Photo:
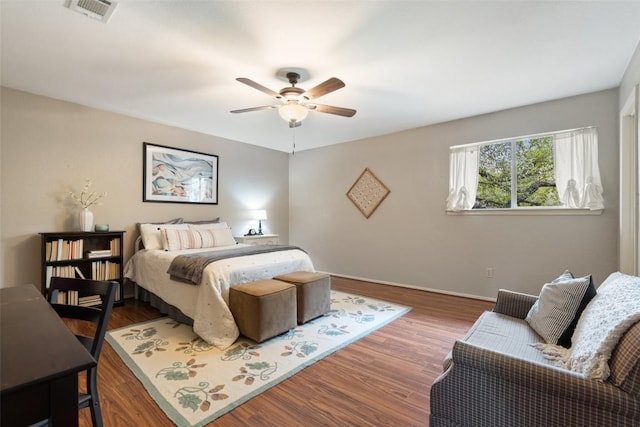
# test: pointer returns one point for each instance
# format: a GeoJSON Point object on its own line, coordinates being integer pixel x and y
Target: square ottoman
{"type": "Point", "coordinates": [263, 309]}
{"type": "Point", "coordinates": [313, 293]}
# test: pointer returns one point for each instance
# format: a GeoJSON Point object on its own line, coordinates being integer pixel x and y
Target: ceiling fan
{"type": "Point", "coordinates": [296, 102]}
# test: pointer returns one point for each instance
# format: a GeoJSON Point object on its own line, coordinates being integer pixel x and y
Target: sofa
{"type": "Point", "coordinates": [496, 376]}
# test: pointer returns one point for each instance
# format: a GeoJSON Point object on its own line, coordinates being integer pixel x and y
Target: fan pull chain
{"type": "Point", "coordinates": [293, 138]}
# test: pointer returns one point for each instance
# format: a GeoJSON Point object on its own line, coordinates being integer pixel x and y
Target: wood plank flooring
{"type": "Point", "coordinates": [381, 380]}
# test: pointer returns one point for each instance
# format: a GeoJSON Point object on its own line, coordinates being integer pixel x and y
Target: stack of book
{"type": "Point", "coordinates": [99, 253]}
{"type": "Point", "coordinates": [72, 298]}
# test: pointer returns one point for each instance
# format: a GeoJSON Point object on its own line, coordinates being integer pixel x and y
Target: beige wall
{"type": "Point", "coordinates": [411, 241]}
{"type": "Point", "coordinates": [49, 147]}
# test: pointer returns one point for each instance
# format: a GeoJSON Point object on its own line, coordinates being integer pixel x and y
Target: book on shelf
{"type": "Point", "coordinates": [99, 253]}
{"type": "Point", "coordinates": [67, 297]}
{"type": "Point", "coordinates": [114, 245]}
{"type": "Point", "coordinates": [71, 298]}
{"type": "Point", "coordinates": [63, 250]}
{"type": "Point", "coordinates": [62, 271]}
{"type": "Point", "coordinates": [105, 270]}
{"type": "Point", "coordinates": [79, 273]}
{"type": "Point", "coordinates": [89, 301]}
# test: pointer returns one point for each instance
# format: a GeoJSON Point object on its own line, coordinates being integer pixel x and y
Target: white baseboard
{"type": "Point", "coordinates": [402, 285]}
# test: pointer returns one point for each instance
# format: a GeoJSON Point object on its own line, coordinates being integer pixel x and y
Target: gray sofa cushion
{"type": "Point", "coordinates": [504, 334]}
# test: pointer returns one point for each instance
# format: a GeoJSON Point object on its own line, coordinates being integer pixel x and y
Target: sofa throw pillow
{"type": "Point", "coordinates": [607, 317]}
{"type": "Point", "coordinates": [565, 338]}
{"type": "Point", "coordinates": [557, 305]}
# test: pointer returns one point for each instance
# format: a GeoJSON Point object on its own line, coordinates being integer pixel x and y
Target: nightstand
{"type": "Point", "coordinates": [259, 239]}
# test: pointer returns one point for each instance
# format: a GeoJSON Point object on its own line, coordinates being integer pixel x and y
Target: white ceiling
{"type": "Point", "coordinates": [406, 64]}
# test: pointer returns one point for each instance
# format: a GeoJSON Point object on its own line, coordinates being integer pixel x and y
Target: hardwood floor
{"type": "Point", "coordinates": [381, 380]}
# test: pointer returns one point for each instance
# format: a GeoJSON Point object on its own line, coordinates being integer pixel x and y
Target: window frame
{"type": "Point", "coordinates": [521, 210]}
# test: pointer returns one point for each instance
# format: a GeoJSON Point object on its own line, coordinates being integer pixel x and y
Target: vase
{"type": "Point", "coordinates": [86, 220]}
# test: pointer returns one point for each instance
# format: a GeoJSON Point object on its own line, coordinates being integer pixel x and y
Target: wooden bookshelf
{"type": "Point", "coordinates": [90, 255]}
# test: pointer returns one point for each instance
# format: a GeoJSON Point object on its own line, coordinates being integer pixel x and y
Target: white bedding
{"type": "Point", "coordinates": [207, 303]}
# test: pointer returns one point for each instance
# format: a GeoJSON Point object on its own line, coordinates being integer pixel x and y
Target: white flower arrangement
{"type": "Point", "coordinates": [87, 198]}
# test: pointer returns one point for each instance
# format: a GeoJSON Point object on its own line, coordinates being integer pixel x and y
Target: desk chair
{"type": "Point", "coordinates": [98, 315]}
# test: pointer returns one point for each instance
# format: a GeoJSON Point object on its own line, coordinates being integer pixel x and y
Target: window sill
{"type": "Point", "coordinates": [527, 211]}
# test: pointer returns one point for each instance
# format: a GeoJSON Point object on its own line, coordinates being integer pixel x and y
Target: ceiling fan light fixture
{"type": "Point", "coordinates": [292, 111]}
{"type": "Point", "coordinates": [295, 100]}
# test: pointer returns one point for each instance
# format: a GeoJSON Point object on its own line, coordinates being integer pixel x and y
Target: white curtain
{"type": "Point", "coordinates": [576, 169]}
{"type": "Point", "coordinates": [463, 177]}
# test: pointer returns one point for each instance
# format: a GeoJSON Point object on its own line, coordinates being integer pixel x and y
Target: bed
{"type": "Point", "coordinates": [205, 303]}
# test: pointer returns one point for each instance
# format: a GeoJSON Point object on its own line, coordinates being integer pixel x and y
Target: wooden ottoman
{"type": "Point", "coordinates": [313, 293]}
{"type": "Point", "coordinates": [263, 309]}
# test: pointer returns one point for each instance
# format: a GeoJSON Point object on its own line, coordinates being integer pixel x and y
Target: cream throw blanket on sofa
{"type": "Point", "coordinates": [608, 316]}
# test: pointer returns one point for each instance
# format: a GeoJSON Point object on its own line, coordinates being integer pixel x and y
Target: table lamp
{"type": "Point", "coordinates": [260, 214]}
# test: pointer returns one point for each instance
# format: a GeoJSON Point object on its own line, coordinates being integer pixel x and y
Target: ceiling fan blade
{"type": "Point", "coordinates": [330, 109]}
{"type": "Point", "coordinates": [258, 86]}
{"type": "Point", "coordinates": [324, 88]}
{"type": "Point", "coordinates": [246, 110]}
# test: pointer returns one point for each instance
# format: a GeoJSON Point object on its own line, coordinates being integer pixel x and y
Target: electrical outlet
{"type": "Point", "coordinates": [489, 272]}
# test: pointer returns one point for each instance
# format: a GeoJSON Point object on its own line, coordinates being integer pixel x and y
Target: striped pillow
{"type": "Point", "coordinates": [195, 239]}
{"type": "Point", "coordinates": [557, 305]}
{"type": "Point", "coordinates": [175, 239]}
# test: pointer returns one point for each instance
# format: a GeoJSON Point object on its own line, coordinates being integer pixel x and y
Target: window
{"type": "Point", "coordinates": [557, 169]}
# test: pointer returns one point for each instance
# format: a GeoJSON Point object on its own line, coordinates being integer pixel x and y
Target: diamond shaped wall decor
{"type": "Point", "coordinates": [367, 192]}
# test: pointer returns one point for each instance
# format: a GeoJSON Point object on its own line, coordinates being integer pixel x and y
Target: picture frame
{"type": "Point", "coordinates": [176, 175]}
{"type": "Point", "coordinates": [367, 192]}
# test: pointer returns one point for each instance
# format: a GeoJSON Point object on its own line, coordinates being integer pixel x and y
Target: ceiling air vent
{"type": "Point", "coordinates": [100, 10]}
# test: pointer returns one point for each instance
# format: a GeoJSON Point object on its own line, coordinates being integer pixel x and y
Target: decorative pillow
{"type": "Point", "coordinates": [565, 338]}
{"type": "Point", "coordinates": [223, 237]}
{"type": "Point", "coordinates": [557, 305]}
{"type": "Point", "coordinates": [207, 237]}
{"type": "Point", "coordinates": [151, 236]}
{"type": "Point", "coordinates": [606, 319]}
{"type": "Point", "coordinates": [140, 224]}
{"type": "Point", "coordinates": [176, 239]}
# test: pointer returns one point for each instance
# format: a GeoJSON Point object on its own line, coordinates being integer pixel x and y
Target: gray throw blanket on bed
{"type": "Point", "coordinates": [188, 268]}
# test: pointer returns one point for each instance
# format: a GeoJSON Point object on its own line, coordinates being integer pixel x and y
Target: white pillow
{"type": "Point", "coordinates": [557, 305]}
{"type": "Point", "coordinates": [151, 236]}
{"type": "Point", "coordinates": [608, 316]}
{"type": "Point", "coordinates": [223, 237]}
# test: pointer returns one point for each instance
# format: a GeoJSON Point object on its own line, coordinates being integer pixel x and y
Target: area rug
{"type": "Point", "coordinates": [194, 383]}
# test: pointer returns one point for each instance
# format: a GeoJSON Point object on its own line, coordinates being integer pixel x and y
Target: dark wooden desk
{"type": "Point", "coordinates": [39, 361]}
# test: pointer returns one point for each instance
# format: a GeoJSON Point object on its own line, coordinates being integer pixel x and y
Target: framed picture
{"type": "Point", "coordinates": [367, 192]}
{"type": "Point", "coordinates": [175, 175]}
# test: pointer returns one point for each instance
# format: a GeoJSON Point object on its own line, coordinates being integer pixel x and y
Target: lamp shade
{"type": "Point", "coordinates": [293, 111]}
{"type": "Point", "coordinates": [260, 214]}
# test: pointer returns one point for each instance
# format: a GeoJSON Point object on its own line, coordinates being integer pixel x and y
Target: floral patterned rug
{"type": "Point", "coordinates": [195, 383]}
